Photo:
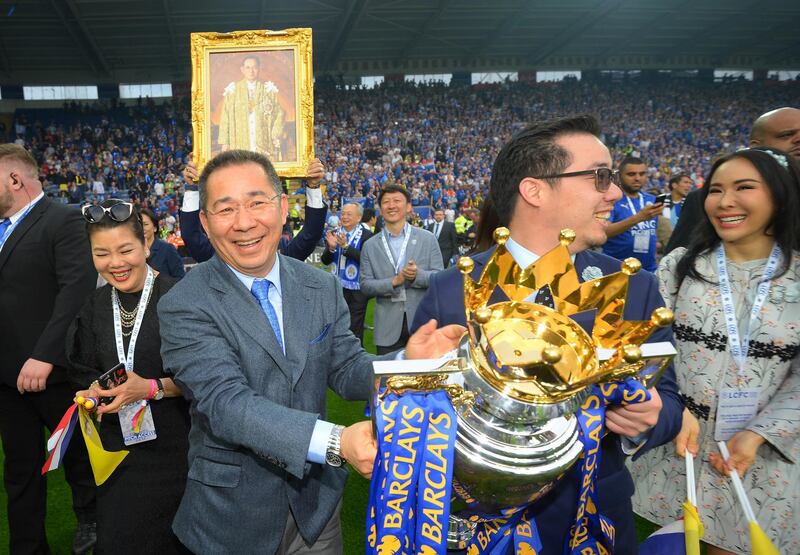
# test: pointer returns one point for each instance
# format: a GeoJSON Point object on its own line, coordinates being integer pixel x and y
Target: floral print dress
{"type": "Point", "coordinates": [704, 366]}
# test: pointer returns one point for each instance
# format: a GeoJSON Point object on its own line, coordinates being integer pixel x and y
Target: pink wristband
{"type": "Point", "coordinates": [153, 388]}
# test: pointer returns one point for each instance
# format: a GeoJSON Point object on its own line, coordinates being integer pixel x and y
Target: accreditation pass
{"type": "Point", "coordinates": [736, 408]}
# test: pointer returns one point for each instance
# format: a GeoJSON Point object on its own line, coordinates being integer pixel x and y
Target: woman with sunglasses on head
{"type": "Point", "coordinates": [146, 414]}
{"type": "Point", "coordinates": [736, 296]}
{"type": "Point", "coordinates": [163, 257]}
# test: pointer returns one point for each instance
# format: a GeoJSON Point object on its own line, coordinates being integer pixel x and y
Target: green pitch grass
{"type": "Point", "coordinates": [61, 520]}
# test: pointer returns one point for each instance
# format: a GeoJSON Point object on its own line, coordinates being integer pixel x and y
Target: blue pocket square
{"type": "Point", "coordinates": [322, 335]}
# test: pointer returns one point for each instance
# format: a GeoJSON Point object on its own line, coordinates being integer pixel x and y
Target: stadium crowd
{"type": "Point", "coordinates": [437, 141]}
{"type": "Point", "coordinates": [477, 156]}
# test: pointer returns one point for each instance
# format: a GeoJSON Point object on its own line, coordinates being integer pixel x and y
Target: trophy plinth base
{"type": "Point", "coordinates": [459, 533]}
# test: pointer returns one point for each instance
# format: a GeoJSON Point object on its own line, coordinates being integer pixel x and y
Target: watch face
{"type": "Point", "coordinates": [159, 395]}
{"type": "Point", "coordinates": [333, 459]}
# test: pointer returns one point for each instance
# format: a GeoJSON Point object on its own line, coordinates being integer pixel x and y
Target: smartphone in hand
{"type": "Point", "coordinates": [112, 378]}
{"type": "Point", "coordinates": [662, 199]}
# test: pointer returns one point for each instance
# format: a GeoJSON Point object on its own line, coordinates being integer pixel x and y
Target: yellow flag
{"type": "Point", "coordinates": [103, 462]}
{"type": "Point", "coordinates": [692, 528]}
{"type": "Point", "coordinates": [761, 543]}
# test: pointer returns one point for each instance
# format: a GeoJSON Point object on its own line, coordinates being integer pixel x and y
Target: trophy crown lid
{"type": "Point", "coordinates": [501, 235]}
{"type": "Point", "coordinates": [566, 237]}
{"type": "Point", "coordinates": [537, 353]}
{"type": "Point", "coordinates": [465, 265]}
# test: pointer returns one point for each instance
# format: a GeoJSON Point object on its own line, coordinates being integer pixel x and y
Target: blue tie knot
{"type": "Point", "coordinates": [260, 289]}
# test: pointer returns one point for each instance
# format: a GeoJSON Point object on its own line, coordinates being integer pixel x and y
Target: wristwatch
{"type": "Point", "coordinates": [160, 391]}
{"type": "Point", "coordinates": [333, 454]}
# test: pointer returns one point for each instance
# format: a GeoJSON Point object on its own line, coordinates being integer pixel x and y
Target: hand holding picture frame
{"type": "Point", "coordinates": [253, 90]}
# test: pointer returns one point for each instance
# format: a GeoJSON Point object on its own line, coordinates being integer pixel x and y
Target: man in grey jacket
{"type": "Point", "coordinates": [265, 468]}
{"type": "Point", "coordinates": [396, 265]}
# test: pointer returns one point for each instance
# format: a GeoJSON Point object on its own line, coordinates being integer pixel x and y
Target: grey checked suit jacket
{"type": "Point", "coordinates": [377, 272]}
{"type": "Point", "coordinates": [253, 409]}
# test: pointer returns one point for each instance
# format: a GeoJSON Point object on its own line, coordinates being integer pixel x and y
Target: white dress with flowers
{"type": "Point", "coordinates": [704, 366]}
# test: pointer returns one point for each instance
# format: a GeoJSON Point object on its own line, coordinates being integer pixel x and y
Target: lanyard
{"type": "Point", "coordinates": [740, 345]}
{"type": "Point", "coordinates": [397, 263]}
{"type": "Point", "coordinates": [148, 286]}
{"type": "Point", "coordinates": [633, 209]}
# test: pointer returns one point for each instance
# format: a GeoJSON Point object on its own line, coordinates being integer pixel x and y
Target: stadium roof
{"type": "Point", "coordinates": [141, 41]}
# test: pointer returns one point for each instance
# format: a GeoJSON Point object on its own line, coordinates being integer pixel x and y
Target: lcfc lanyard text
{"type": "Point", "coordinates": [740, 344]}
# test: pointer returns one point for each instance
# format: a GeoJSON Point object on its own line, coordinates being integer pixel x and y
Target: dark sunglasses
{"type": "Point", "coordinates": [603, 177]}
{"type": "Point", "coordinates": [119, 212]}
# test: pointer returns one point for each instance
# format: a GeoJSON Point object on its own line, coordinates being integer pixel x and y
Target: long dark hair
{"type": "Point", "coordinates": [781, 174]}
{"type": "Point", "coordinates": [488, 222]}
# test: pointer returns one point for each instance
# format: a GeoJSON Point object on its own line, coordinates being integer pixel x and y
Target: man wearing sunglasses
{"type": "Point", "coordinates": [549, 177]}
{"type": "Point", "coordinates": [46, 272]}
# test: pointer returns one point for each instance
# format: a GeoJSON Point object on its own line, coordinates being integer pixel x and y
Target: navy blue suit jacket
{"type": "Point", "coordinates": [300, 247]}
{"type": "Point", "coordinates": [555, 513]}
{"type": "Point", "coordinates": [165, 258]}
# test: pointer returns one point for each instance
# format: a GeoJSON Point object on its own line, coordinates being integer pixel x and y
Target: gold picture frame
{"type": "Point", "coordinates": [254, 90]}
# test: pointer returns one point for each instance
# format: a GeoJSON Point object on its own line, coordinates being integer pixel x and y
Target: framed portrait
{"type": "Point", "coordinates": [253, 90]}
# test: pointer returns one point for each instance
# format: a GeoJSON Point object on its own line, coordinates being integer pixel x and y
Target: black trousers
{"type": "Point", "coordinates": [401, 342]}
{"type": "Point", "coordinates": [23, 419]}
{"type": "Point", "coordinates": [357, 303]}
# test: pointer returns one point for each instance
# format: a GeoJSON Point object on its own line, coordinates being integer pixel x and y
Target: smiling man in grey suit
{"type": "Point", "coordinates": [396, 265]}
{"type": "Point", "coordinates": [255, 359]}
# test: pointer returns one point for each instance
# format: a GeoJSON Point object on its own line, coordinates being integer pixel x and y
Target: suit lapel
{"type": "Point", "coordinates": [19, 232]}
{"type": "Point", "coordinates": [580, 265]}
{"type": "Point", "coordinates": [249, 316]}
{"type": "Point", "coordinates": [584, 319]}
{"type": "Point", "coordinates": [413, 248]}
{"type": "Point", "coordinates": [297, 316]}
{"type": "Point", "coordinates": [497, 296]}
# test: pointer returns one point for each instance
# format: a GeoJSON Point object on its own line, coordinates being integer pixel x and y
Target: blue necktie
{"type": "Point", "coordinates": [260, 291]}
{"type": "Point", "coordinates": [542, 297]}
{"type": "Point", "coordinates": [4, 225]}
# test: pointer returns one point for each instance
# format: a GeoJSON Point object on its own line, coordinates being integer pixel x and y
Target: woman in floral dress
{"type": "Point", "coordinates": [751, 232]}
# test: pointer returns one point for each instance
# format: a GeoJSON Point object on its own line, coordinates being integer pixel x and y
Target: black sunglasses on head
{"type": "Point", "coordinates": [119, 212]}
{"type": "Point", "coordinates": [603, 177]}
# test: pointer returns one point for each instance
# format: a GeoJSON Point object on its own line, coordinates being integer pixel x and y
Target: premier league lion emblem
{"type": "Point", "coordinates": [389, 545]}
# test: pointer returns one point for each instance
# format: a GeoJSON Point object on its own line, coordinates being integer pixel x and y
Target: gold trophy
{"type": "Point", "coordinates": [521, 372]}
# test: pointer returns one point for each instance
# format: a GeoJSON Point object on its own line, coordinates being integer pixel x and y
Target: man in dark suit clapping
{"type": "Point", "coordinates": [445, 233]}
{"type": "Point", "coordinates": [344, 252]}
{"type": "Point", "coordinates": [46, 272]}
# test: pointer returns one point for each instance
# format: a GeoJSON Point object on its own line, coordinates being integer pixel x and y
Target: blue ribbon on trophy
{"type": "Point", "coordinates": [531, 386]}
{"type": "Point", "coordinates": [410, 489]}
{"type": "Point", "coordinates": [495, 536]}
{"type": "Point", "coordinates": [592, 533]}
